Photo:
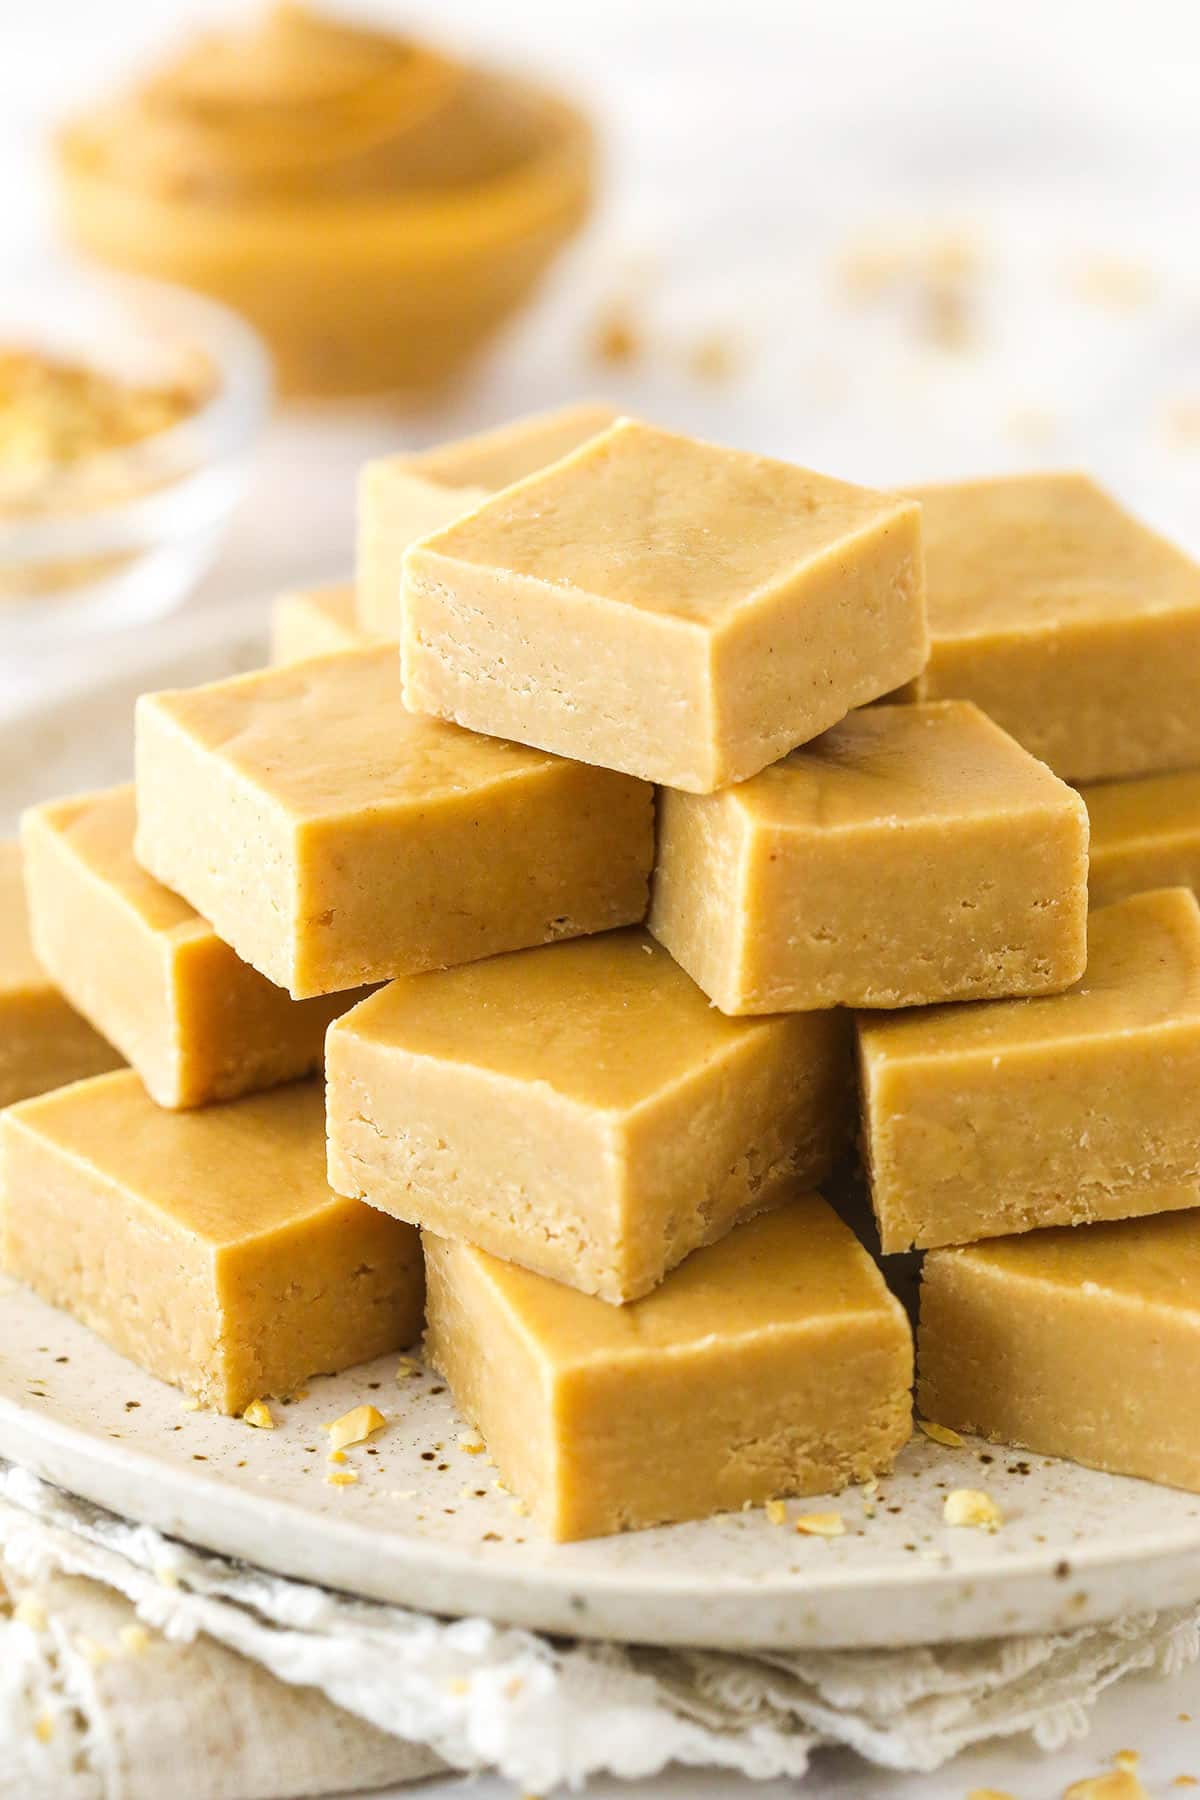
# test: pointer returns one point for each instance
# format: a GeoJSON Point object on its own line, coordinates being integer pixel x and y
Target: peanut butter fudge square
{"type": "Point", "coordinates": [994, 1118]}
{"type": "Point", "coordinates": [43, 1041]}
{"type": "Point", "coordinates": [1145, 834]}
{"type": "Point", "coordinates": [1071, 623]}
{"type": "Point", "coordinates": [334, 839]}
{"type": "Point", "coordinates": [205, 1246]}
{"type": "Point", "coordinates": [1081, 1343]}
{"type": "Point", "coordinates": [775, 1362]}
{"type": "Point", "coordinates": [655, 604]}
{"type": "Point", "coordinates": [318, 621]}
{"type": "Point", "coordinates": [402, 498]}
{"type": "Point", "coordinates": [581, 1109]}
{"type": "Point", "coordinates": [911, 854]}
{"type": "Point", "coordinates": [196, 1022]}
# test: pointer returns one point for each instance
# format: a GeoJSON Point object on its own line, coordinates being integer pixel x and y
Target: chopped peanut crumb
{"type": "Point", "coordinates": [406, 1368]}
{"type": "Point", "coordinates": [776, 1511]}
{"type": "Point", "coordinates": [134, 1639]}
{"type": "Point", "coordinates": [826, 1525]}
{"type": "Point", "coordinates": [712, 358]}
{"type": "Point", "coordinates": [969, 1506]}
{"type": "Point", "coordinates": [191, 1403]}
{"type": "Point", "coordinates": [1122, 1784]}
{"type": "Point", "coordinates": [616, 338]}
{"type": "Point", "coordinates": [43, 1728]}
{"type": "Point", "coordinates": [258, 1414]}
{"type": "Point", "coordinates": [941, 1434]}
{"type": "Point", "coordinates": [355, 1427]}
{"type": "Point", "coordinates": [337, 1456]}
{"type": "Point", "coordinates": [342, 1477]}
{"type": "Point", "coordinates": [471, 1445]}
{"type": "Point", "coordinates": [30, 1611]}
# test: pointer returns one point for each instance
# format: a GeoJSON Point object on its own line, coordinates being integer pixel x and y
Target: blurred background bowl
{"type": "Point", "coordinates": [121, 535]}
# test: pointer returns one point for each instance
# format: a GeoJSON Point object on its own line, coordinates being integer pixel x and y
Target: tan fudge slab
{"type": "Point", "coordinates": [43, 1041]}
{"type": "Point", "coordinates": [1073, 625]}
{"type": "Point", "coordinates": [402, 498]}
{"type": "Point", "coordinates": [775, 1362]}
{"type": "Point", "coordinates": [196, 1022]}
{"type": "Point", "coordinates": [334, 839]}
{"type": "Point", "coordinates": [206, 1246]}
{"type": "Point", "coordinates": [1082, 1343]}
{"type": "Point", "coordinates": [580, 1109]}
{"type": "Point", "coordinates": [909, 855]}
{"type": "Point", "coordinates": [1145, 834]}
{"type": "Point", "coordinates": [658, 605]}
{"type": "Point", "coordinates": [316, 622]}
{"type": "Point", "coordinates": [999, 1117]}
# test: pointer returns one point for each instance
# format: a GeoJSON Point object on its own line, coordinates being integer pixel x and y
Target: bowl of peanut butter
{"type": "Point", "coordinates": [375, 208]}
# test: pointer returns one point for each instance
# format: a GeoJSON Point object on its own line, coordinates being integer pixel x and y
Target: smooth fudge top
{"type": "Point", "coordinates": [494, 459]}
{"type": "Point", "coordinates": [796, 1265]}
{"type": "Point", "coordinates": [332, 735]}
{"type": "Point", "coordinates": [1029, 551]}
{"type": "Point", "coordinates": [1124, 813]}
{"type": "Point", "coordinates": [1143, 971]}
{"type": "Point", "coordinates": [1155, 1261]}
{"type": "Point", "coordinates": [223, 1173]}
{"type": "Point", "coordinates": [666, 524]}
{"type": "Point", "coordinates": [885, 765]}
{"type": "Point", "coordinates": [99, 830]}
{"type": "Point", "coordinates": [605, 1021]}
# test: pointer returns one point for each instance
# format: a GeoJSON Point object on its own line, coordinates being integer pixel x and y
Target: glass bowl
{"type": "Point", "coordinates": [118, 536]}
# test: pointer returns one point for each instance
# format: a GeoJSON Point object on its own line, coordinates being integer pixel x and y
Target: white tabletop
{"type": "Point", "coordinates": [750, 143]}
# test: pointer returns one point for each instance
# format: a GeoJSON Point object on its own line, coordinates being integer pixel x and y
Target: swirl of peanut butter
{"type": "Point", "coordinates": [297, 107]}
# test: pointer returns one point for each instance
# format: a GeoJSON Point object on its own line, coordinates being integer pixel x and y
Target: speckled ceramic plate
{"type": "Point", "coordinates": [425, 1526]}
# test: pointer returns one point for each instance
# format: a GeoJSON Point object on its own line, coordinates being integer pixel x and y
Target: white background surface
{"type": "Point", "coordinates": [748, 144]}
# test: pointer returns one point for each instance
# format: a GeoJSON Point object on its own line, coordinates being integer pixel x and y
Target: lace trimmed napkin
{"type": "Point", "coordinates": [127, 1656]}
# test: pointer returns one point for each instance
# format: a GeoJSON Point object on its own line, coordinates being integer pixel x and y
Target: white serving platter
{"type": "Point", "coordinates": [424, 1525]}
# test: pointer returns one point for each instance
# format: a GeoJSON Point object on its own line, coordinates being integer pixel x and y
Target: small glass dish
{"type": "Point", "coordinates": [106, 537]}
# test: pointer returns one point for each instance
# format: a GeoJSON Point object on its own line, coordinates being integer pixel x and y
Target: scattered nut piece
{"type": "Point", "coordinates": [1113, 282]}
{"type": "Point", "coordinates": [191, 1403]}
{"type": "Point", "coordinates": [616, 339]}
{"type": "Point", "coordinates": [826, 1525]}
{"type": "Point", "coordinates": [258, 1414]}
{"type": "Point", "coordinates": [712, 358]}
{"type": "Point", "coordinates": [472, 1445]}
{"type": "Point", "coordinates": [970, 1506]}
{"type": "Point", "coordinates": [406, 1368]}
{"type": "Point", "coordinates": [776, 1511]}
{"type": "Point", "coordinates": [342, 1477]}
{"type": "Point", "coordinates": [355, 1427]}
{"type": "Point", "coordinates": [1122, 1784]}
{"type": "Point", "coordinates": [43, 1728]}
{"type": "Point", "coordinates": [941, 1434]}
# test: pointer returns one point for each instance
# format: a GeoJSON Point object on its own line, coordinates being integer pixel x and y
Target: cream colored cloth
{"type": "Point", "coordinates": [258, 1687]}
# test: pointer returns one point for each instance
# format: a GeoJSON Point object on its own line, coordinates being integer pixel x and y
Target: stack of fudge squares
{"type": "Point", "coordinates": [647, 825]}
